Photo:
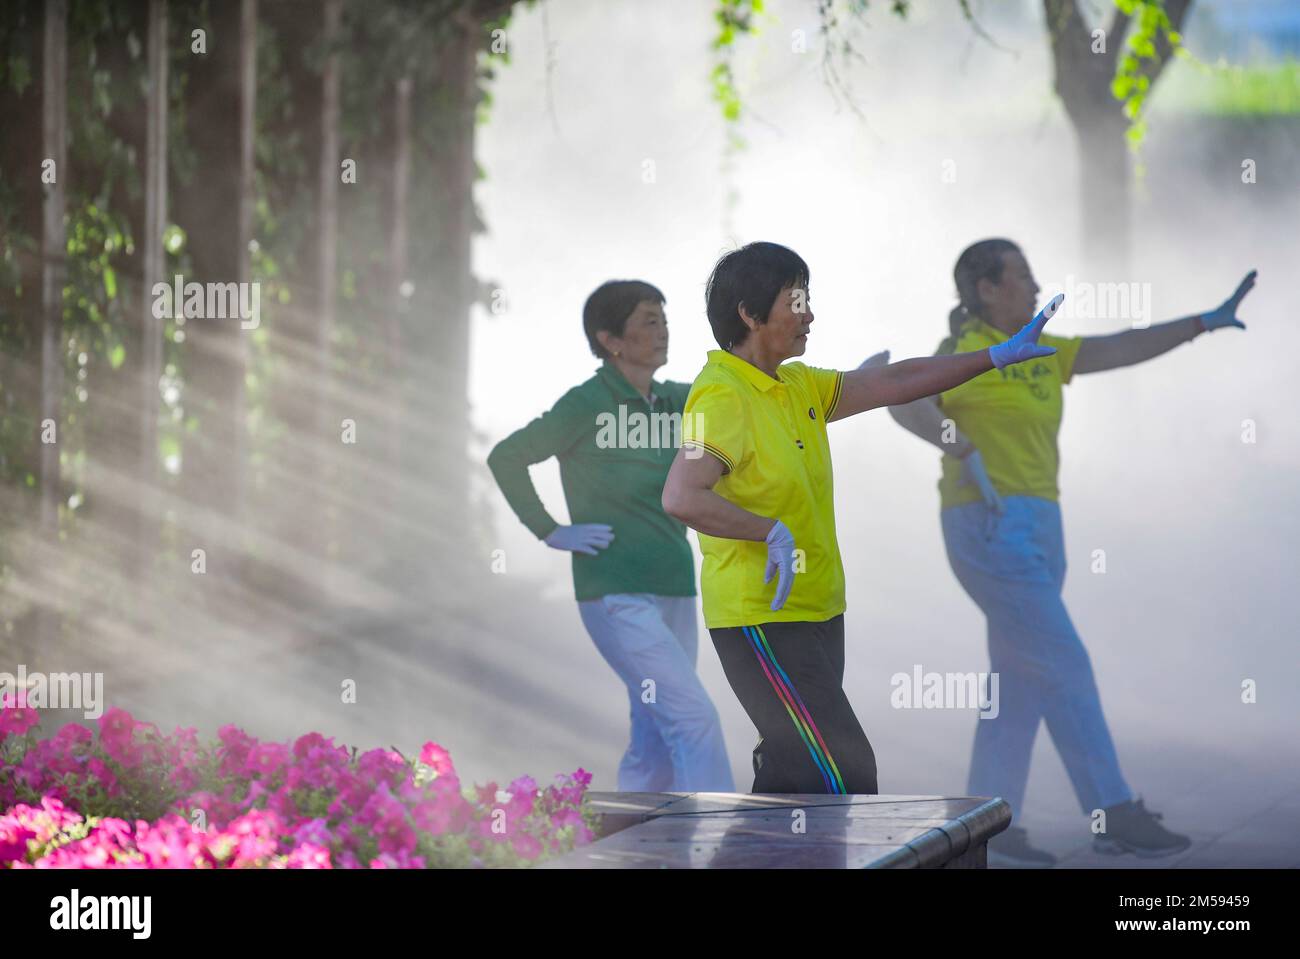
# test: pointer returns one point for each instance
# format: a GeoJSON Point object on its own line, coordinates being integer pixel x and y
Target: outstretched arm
{"type": "Point", "coordinates": [1128, 347]}
{"type": "Point", "coordinates": [869, 387]}
{"type": "Point", "coordinates": [907, 380]}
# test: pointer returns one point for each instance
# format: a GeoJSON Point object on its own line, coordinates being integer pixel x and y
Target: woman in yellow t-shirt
{"type": "Point", "coordinates": [1002, 531]}
{"type": "Point", "coordinates": [753, 477]}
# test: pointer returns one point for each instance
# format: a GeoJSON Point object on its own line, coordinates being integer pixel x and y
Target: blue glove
{"type": "Point", "coordinates": [1226, 314]}
{"type": "Point", "coordinates": [1024, 345]}
{"type": "Point", "coordinates": [780, 556]}
{"type": "Point", "coordinates": [580, 538]}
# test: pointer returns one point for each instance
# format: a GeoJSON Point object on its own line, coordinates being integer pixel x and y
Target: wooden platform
{"type": "Point", "coordinates": [746, 831]}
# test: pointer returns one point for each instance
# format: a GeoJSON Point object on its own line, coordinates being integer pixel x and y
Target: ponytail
{"type": "Point", "coordinates": [957, 319]}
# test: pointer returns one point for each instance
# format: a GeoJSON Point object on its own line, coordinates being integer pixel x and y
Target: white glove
{"type": "Point", "coordinates": [973, 472]}
{"type": "Point", "coordinates": [780, 556]}
{"type": "Point", "coordinates": [580, 538]}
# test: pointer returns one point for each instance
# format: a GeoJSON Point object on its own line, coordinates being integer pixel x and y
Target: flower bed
{"type": "Point", "coordinates": [129, 796]}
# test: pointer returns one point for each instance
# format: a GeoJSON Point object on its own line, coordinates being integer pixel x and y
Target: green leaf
{"type": "Point", "coordinates": [20, 73]}
{"type": "Point", "coordinates": [116, 356]}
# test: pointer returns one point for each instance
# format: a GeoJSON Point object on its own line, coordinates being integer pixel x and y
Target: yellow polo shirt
{"type": "Point", "coordinates": [770, 434]}
{"type": "Point", "coordinates": [1012, 416]}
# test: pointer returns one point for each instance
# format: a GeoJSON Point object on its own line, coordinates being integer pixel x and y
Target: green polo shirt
{"type": "Point", "coordinates": [614, 451]}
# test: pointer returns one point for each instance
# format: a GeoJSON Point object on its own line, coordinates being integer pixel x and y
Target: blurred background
{"type": "Point", "coordinates": [427, 192]}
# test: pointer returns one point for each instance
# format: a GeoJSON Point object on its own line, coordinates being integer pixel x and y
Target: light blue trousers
{"type": "Point", "coordinates": [1013, 567]}
{"type": "Point", "coordinates": [651, 642]}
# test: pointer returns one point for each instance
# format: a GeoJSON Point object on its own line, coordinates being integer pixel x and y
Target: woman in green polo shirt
{"type": "Point", "coordinates": [753, 477]}
{"type": "Point", "coordinates": [1002, 531]}
{"type": "Point", "coordinates": [633, 571]}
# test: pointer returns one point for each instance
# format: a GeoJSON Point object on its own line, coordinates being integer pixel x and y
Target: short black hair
{"type": "Point", "coordinates": [609, 307]}
{"type": "Point", "coordinates": [752, 276]}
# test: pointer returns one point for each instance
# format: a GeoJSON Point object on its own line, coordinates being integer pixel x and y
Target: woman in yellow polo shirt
{"type": "Point", "coordinates": [753, 478]}
{"type": "Point", "coordinates": [1002, 531]}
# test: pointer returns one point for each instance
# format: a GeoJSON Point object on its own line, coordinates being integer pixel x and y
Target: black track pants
{"type": "Point", "coordinates": [789, 677]}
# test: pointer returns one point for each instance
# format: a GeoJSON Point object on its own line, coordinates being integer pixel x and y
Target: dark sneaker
{"type": "Point", "coordinates": [758, 756]}
{"type": "Point", "coordinates": [1011, 848]}
{"type": "Point", "coordinates": [1131, 827]}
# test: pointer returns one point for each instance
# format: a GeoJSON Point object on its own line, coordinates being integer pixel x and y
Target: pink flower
{"type": "Point", "coordinates": [117, 736]}
{"type": "Point", "coordinates": [431, 817]}
{"type": "Point", "coordinates": [309, 856]}
{"type": "Point", "coordinates": [391, 861]}
{"type": "Point", "coordinates": [266, 759]}
{"type": "Point", "coordinates": [431, 754]}
{"type": "Point", "coordinates": [73, 734]}
{"type": "Point", "coordinates": [254, 833]}
{"type": "Point", "coordinates": [282, 803]}
{"type": "Point", "coordinates": [312, 832]}
{"type": "Point", "coordinates": [99, 769]}
{"type": "Point", "coordinates": [170, 844]}
{"type": "Point", "coordinates": [13, 839]}
{"type": "Point", "coordinates": [236, 745]}
{"type": "Point", "coordinates": [523, 786]}
{"type": "Point", "coordinates": [263, 801]}
{"type": "Point", "coordinates": [304, 745]}
{"type": "Point", "coordinates": [382, 765]}
{"type": "Point", "coordinates": [567, 816]}
{"type": "Point", "coordinates": [116, 725]}
{"type": "Point", "coordinates": [526, 846]}
{"type": "Point", "coordinates": [15, 715]}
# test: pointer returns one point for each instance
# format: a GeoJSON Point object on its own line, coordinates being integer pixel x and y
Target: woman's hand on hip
{"type": "Point", "coordinates": [974, 473]}
{"type": "Point", "coordinates": [580, 537]}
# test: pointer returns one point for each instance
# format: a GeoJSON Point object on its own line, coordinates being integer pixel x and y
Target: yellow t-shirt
{"type": "Point", "coordinates": [1012, 416]}
{"type": "Point", "coordinates": [770, 434]}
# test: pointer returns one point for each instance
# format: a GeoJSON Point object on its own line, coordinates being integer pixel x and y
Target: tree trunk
{"type": "Point", "coordinates": [216, 213]}
{"type": "Point", "coordinates": [1083, 75]}
{"type": "Point", "coordinates": [399, 266]}
{"type": "Point", "coordinates": [21, 159]}
{"type": "Point", "coordinates": [54, 120]}
{"type": "Point", "coordinates": [289, 500]}
{"type": "Point", "coordinates": [20, 375]}
{"type": "Point", "coordinates": [114, 499]}
{"type": "Point", "coordinates": [152, 264]}
{"type": "Point", "coordinates": [325, 434]}
{"type": "Point", "coordinates": [435, 433]}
